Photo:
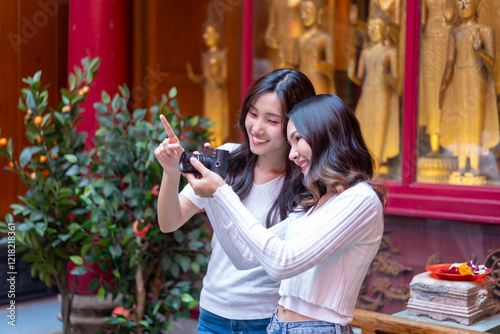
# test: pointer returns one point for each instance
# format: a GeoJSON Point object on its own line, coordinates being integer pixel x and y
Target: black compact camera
{"type": "Point", "coordinates": [211, 158]}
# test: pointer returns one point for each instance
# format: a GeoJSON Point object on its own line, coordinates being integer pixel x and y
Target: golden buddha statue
{"type": "Point", "coordinates": [467, 97]}
{"type": "Point", "coordinates": [396, 34]}
{"type": "Point", "coordinates": [378, 106]}
{"type": "Point", "coordinates": [434, 35]}
{"type": "Point", "coordinates": [213, 79]}
{"type": "Point", "coordinates": [316, 48]}
{"type": "Point", "coordinates": [283, 29]}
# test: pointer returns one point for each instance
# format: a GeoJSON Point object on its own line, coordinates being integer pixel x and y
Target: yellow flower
{"type": "Point", "coordinates": [464, 269]}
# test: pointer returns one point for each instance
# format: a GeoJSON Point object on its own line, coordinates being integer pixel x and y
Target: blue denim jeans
{"type": "Point", "coordinates": [209, 323]}
{"type": "Point", "coordinates": [303, 327]}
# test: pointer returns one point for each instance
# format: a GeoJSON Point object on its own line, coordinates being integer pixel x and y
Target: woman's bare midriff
{"type": "Point", "coordinates": [287, 315]}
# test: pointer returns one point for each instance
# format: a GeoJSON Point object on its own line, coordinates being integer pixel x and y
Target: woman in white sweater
{"type": "Point", "coordinates": [328, 245]}
{"type": "Point", "coordinates": [234, 301]}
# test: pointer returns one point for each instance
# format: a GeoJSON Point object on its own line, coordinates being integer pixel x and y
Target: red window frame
{"type": "Point", "coordinates": [407, 197]}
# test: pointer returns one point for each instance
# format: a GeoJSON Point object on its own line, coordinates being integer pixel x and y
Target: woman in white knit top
{"type": "Point", "coordinates": [234, 301]}
{"type": "Point", "coordinates": [329, 244]}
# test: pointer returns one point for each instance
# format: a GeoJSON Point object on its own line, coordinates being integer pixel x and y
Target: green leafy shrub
{"type": "Point", "coordinates": [53, 224]}
{"type": "Point", "coordinates": [157, 277]}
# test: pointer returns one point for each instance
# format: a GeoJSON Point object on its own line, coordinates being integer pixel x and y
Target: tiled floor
{"type": "Point", "coordinates": [40, 317]}
{"type": "Point", "coordinates": [33, 317]}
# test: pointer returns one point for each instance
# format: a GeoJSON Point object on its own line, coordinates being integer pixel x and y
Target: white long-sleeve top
{"type": "Point", "coordinates": [324, 256]}
{"type": "Point", "coordinates": [227, 291]}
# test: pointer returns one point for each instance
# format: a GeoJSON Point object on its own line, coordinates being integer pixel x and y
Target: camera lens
{"type": "Point", "coordinates": [184, 164]}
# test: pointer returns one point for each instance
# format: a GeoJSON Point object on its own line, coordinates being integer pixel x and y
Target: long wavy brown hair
{"type": "Point", "coordinates": [340, 157]}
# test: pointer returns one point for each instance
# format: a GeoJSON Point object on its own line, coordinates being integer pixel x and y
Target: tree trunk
{"type": "Point", "coordinates": [65, 300]}
{"type": "Point", "coordinates": [141, 296]}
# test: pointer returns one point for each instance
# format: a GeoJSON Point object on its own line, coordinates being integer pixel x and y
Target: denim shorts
{"type": "Point", "coordinates": [209, 323]}
{"type": "Point", "coordinates": [308, 326]}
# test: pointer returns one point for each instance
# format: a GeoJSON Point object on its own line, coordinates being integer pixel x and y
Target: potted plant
{"type": "Point", "coordinates": [157, 274]}
{"type": "Point", "coordinates": [53, 224]}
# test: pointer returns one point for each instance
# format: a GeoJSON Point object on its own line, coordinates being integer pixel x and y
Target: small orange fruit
{"type": "Point", "coordinates": [29, 112]}
{"type": "Point", "coordinates": [66, 109]}
{"type": "Point", "coordinates": [43, 158]}
{"type": "Point", "coordinates": [53, 156]}
{"type": "Point", "coordinates": [39, 139]}
{"type": "Point", "coordinates": [38, 120]}
{"type": "Point", "coordinates": [45, 173]}
{"type": "Point", "coordinates": [85, 89]}
{"type": "Point", "coordinates": [3, 141]}
{"type": "Point", "coordinates": [11, 164]}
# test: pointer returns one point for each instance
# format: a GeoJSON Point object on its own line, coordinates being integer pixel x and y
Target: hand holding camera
{"type": "Point", "coordinates": [201, 177]}
{"type": "Point", "coordinates": [212, 158]}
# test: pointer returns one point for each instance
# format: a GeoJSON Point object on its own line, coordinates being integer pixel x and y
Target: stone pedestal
{"type": "Point", "coordinates": [461, 301]}
{"type": "Point", "coordinates": [88, 313]}
{"type": "Point", "coordinates": [436, 169]}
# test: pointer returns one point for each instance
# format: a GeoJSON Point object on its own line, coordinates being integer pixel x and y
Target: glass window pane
{"type": "Point", "coordinates": [353, 48]}
{"type": "Point", "coordinates": [458, 120]}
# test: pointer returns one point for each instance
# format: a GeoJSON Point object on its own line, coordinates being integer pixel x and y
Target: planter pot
{"type": "Point", "coordinates": [88, 313]}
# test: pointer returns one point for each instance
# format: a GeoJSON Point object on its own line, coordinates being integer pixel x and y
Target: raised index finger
{"type": "Point", "coordinates": [168, 129]}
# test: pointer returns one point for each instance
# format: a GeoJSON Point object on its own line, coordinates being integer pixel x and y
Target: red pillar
{"type": "Point", "coordinates": [100, 28]}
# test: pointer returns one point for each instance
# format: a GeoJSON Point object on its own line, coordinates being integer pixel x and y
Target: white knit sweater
{"type": "Point", "coordinates": [325, 254]}
{"type": "Point", "coordinates": [227, 291]}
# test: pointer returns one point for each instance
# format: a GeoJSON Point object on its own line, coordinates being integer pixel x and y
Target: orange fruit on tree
{"type": "Point", "coordinates": [38, 120]}
{"type": "Point", "coordinates": [66, 109]}
{"type": "Point", "coordinates": [11, 164]}
{"type": "Point", "coordinates": [85, 89]}
{"type": "Point", "coordinates": [45, 173]}
{"type": "Point", "coordinates": [3, 141]}
{"type": "Point", "coordinates": [43, 158]}
{"type": "Point", "coordinates": [39, 139]}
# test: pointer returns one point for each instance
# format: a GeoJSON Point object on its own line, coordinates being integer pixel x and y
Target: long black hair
{"type": "Point", "coordinates": [340, 157]}
{"type": "Point", "coordinates": [291, 87]}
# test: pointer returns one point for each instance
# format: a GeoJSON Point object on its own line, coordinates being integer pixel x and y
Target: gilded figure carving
{"type": "Point", "coordinates": [378, 106]}
{"type": "Point", "coordinates": [213, 80]}
{"type": "Point", "coordinates": [316, 50]}
{"type": "Point", "coordinates": [489, 12]}
{"type": "Point", "coordinates": [283, 28]}
{"type": "Point", "coordinates": [469, 124]}
{"type": "Point", "coordinates": [396, 34]}
{"type": "Point", "coordinates": [435, 28]}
